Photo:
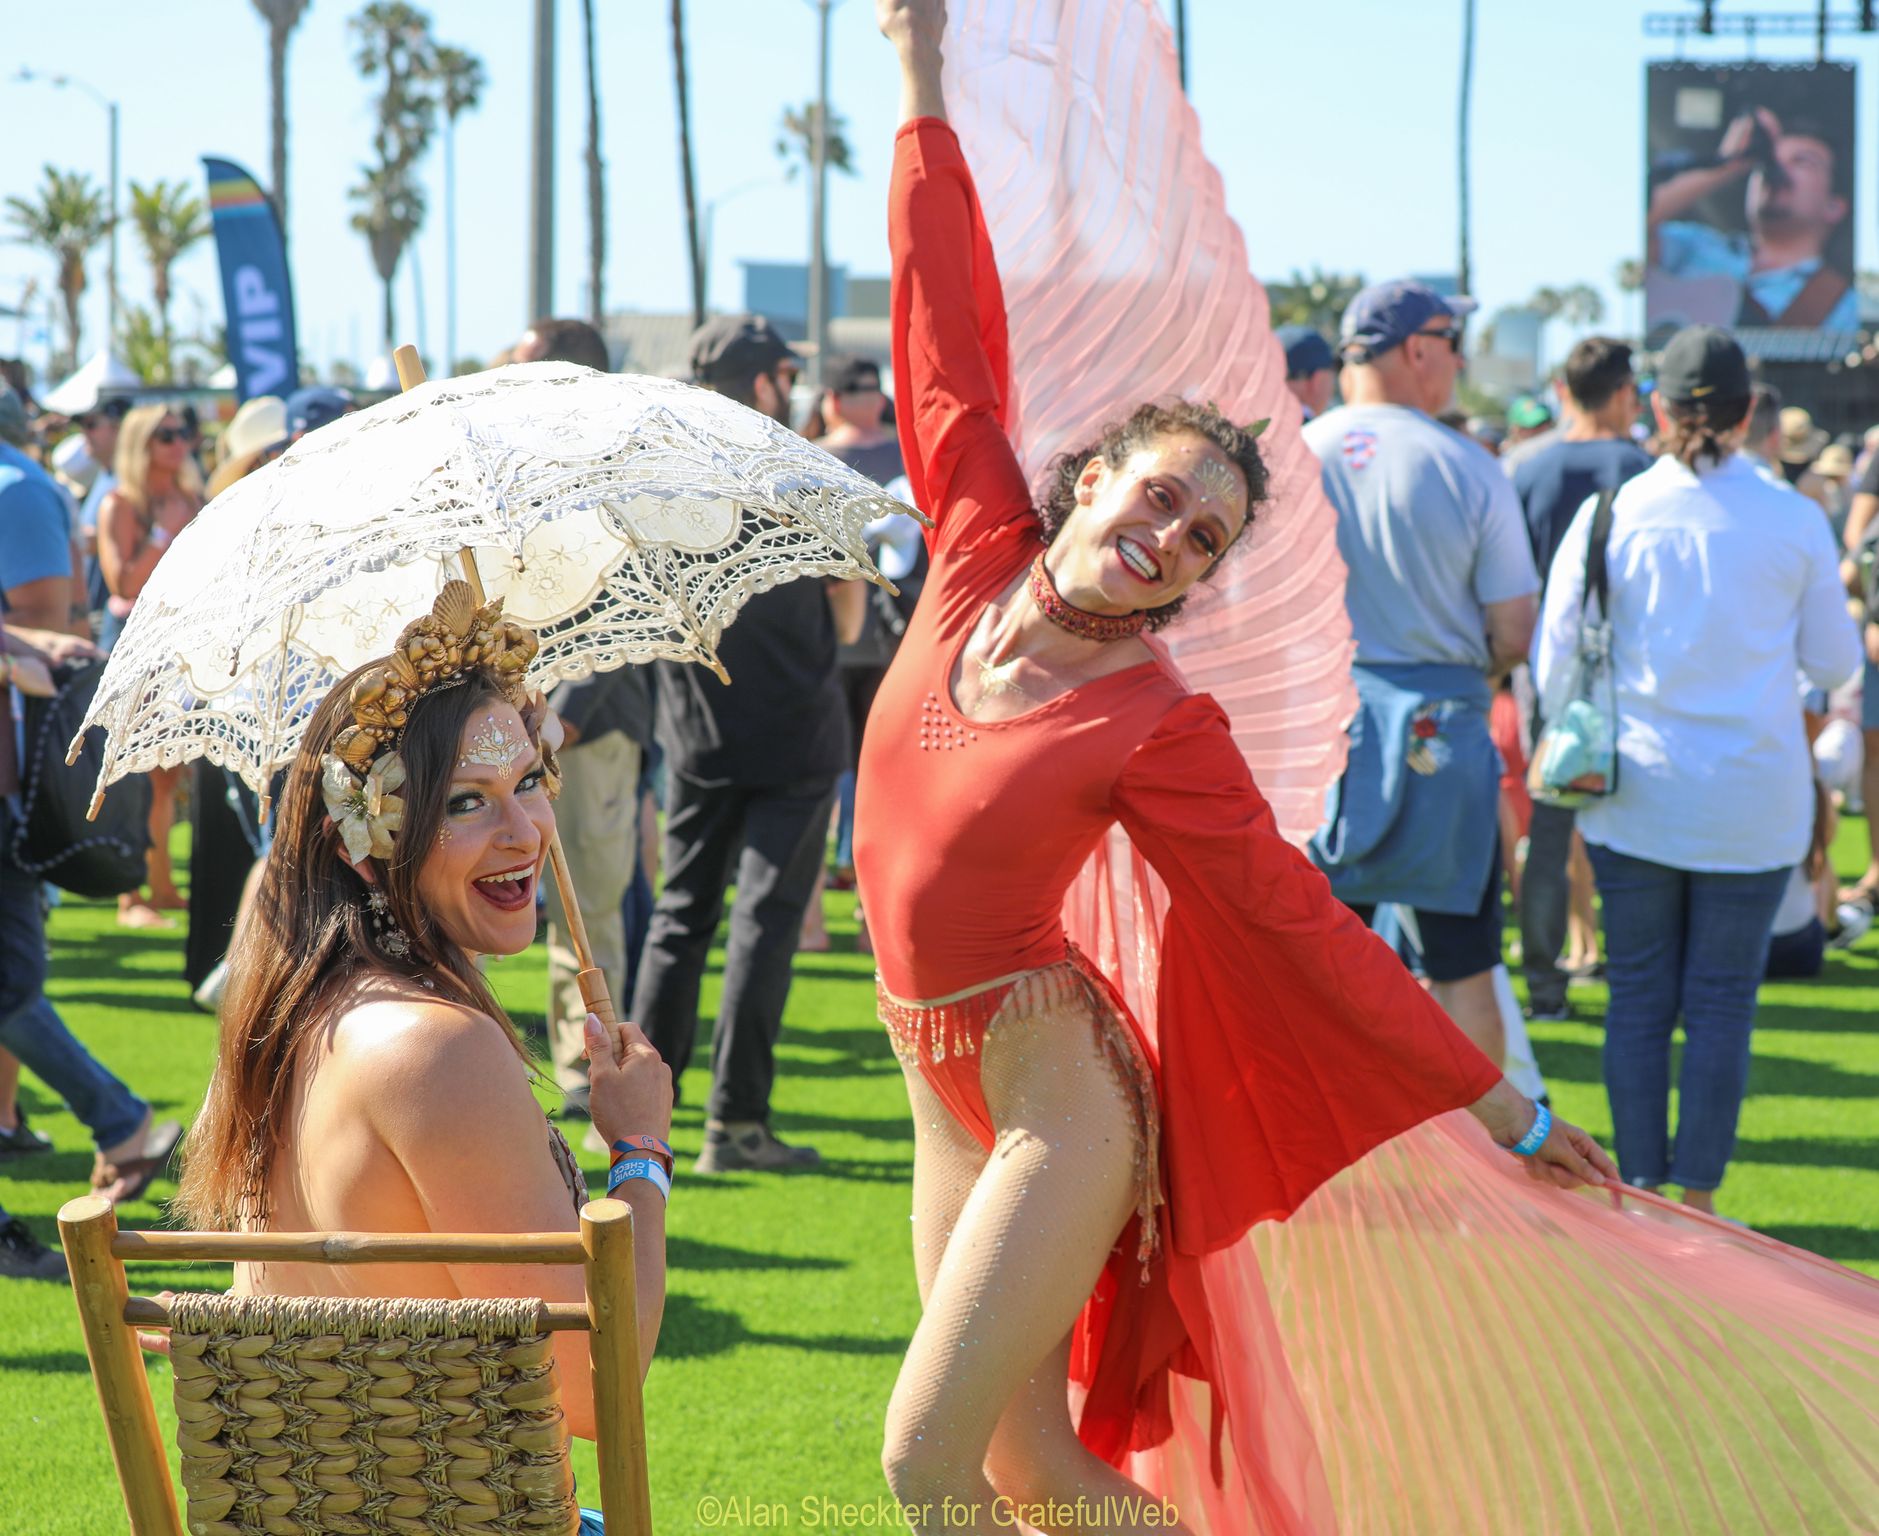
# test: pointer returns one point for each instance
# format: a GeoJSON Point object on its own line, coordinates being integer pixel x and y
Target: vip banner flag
{"type": "Point", "coordinates": [256, 289]}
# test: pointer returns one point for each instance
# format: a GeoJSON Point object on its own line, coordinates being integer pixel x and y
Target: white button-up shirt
{"type": "Point", "coordinates": [1723, 586]}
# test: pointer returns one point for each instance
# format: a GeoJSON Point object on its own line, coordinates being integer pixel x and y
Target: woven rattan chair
{"type": "Point", "coordinates": [301, 1416]}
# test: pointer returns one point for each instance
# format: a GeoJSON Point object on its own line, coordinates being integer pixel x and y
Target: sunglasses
{"type": "Point", "coordinates": [169, 435]}
{"type": "Point", "coordinates": [1449, 333]}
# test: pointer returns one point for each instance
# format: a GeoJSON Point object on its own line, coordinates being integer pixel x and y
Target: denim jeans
{"type": "Point", "coordinates": [1680, 942]}
{"type": "Point", "coordinates": [29, 1025]}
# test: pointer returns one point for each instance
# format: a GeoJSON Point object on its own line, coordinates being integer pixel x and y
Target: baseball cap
{"type": "Point", "coordinates": [1385, 315]}
{"type": "Point", "coordinates": [1306, 351]}
{"type": "Point", "coordinates": [314, 407]}
{"type": "Point", "coordinates": [737, 346]}
{"type": "Point", "coordinates": [848, 375]}
{"type": "Point", "coordinates": [1524, 411]}
{"type": "Point", "coordinates": [1703, 364]}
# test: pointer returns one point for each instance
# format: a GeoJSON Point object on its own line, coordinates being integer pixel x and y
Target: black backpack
{"type": "Point", "coordinates": [51, 837]}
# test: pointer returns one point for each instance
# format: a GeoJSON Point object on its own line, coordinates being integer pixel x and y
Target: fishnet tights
{"type": "Point", "coordinates": [1007, 1247]}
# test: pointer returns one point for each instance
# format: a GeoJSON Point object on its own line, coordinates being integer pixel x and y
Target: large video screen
{"type": "Point", "coordinates": [1749, 197]}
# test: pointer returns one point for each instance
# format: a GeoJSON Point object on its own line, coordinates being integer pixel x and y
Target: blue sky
{"type": "Point", "coordinates": [1333, 125]}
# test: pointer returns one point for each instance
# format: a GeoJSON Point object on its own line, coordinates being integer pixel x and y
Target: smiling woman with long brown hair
{"type": "Point", "coordinates": [366, 1078]}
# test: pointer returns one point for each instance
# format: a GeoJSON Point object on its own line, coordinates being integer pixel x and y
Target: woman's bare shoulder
{"type": "Point", "coordinates": [391, 1033]}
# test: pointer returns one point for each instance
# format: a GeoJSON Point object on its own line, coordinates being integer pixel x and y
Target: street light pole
{"type": "Point", "coordinates": [818, 215]}
{"type": "Point", "coordinates": [110, 298]}
{"type": "Point", "coordinates": [110, 107]}
{"type": "Point", "coordinates": [541, 238]}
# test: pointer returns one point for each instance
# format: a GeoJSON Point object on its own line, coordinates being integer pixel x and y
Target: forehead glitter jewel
{"type": "Point", "coordinates": [1215, 478]}
{"type": "Point", "coordinates": [494, 747]}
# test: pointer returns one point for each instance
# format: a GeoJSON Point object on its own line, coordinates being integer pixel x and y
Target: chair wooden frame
{"type": "Point", "coordinates": [96, 1251]}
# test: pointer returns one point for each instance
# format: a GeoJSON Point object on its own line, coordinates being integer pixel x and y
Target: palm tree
{"type": "Point", "coordinates": [693, 250]}
{"type": "Point", "coordinates": [796, 139]}
{"type": "Point", "coordinates": [281, 16]}
{"type": "Point", "coordinates": [1579, 305]}
{"type": "Point", "coordinates": [391, 211]}
{"type": "Point", "coordinates": [596, 184]}
{"type": "Point", "coordinates": [460, 77]}
{"type": "Point", "coordinates": [169, 221]}
{"type": "Point", "coordinates": [65, 220]}
{"type": "Point", "coordinates": [395, 45]}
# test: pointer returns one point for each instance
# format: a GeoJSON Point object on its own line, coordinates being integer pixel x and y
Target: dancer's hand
{"type": "Point", "coordinates": [1569, 1157]}
{"type": "Point", "coordinates": [630, 1085]}
{"type": "Point", "coordinates": [912, 24]}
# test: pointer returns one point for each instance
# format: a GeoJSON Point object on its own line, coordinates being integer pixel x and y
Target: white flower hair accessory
{"type": "Point", "coordinates": [367, 814]}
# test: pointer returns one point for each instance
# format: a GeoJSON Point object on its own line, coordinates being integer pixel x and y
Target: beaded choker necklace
{"type": "Point", "coordinates": [1085, 626]}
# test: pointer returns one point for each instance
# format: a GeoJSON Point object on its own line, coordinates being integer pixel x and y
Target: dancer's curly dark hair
{"type": "Point", "coordinates": [1145, 426]}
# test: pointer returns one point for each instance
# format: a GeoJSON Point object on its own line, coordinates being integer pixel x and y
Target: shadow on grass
{"type": "Point", "coordinates": [695, 1253]}
{"type": "Point", "coordinates": [1844, 1244]}
{"type": "Point", "coordinates": [1802, 1019]}
{"type": "Point", "coordinates": [71, 1169]}
{"type": "Point", "coordinates": [137, 1002]}
{"type": "Point", "coordinates": [1769, 1074]}
{"type": "Point", "coordinates": [692, 1329]}
{"type": "Point", "coordinates": [48, 1362]}
{"type": "Point", "coordinates": [1809, 1151]}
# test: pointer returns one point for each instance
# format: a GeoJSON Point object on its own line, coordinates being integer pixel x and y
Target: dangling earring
{"type": "Point", "coordinates": [385, 930]}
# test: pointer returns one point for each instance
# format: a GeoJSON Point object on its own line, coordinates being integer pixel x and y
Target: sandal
{"type": "Point", "coordinates": [132, 1176]}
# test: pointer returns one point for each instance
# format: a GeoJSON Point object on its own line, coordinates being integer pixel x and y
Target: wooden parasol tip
{"type": "Point", "coordinates": [409, 365]}
{"type": "Point", "coordinates": [97, 803]}
{"type": "Point", "coordinates": [884, 584]}
{"type": "Point", "coordinates": [718, 667]}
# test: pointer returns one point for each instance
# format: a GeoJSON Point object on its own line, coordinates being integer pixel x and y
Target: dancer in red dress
{"type": "Point", "coordinates": [1068, 1175]}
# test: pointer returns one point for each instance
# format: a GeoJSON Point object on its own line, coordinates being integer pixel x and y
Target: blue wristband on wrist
{"type": "Point", "coordinates": [640, 1168]}
{"type": "Point", "coordinates": [1536, 1133]}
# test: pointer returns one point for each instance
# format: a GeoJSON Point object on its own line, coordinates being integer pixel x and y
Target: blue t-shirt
{"type": "Point", "coordinates": [35, 524]}
{"type": "Point", "coordinates": [1430, 529]}
{"type": "Point", "coordinates": [1555, 482]}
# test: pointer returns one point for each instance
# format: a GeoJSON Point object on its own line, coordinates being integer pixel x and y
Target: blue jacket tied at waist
{"type": "Point", "coordinates": [1414, 818]}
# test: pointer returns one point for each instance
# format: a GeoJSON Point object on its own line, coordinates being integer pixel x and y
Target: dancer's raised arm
{"type": "Point", "coordinates": [916, 28]}
{"type": "Point", "coordinates": [952, 360]}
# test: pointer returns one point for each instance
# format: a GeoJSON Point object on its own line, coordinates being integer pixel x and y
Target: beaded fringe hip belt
{"type": "Point", "coordinates": [935, 1036]}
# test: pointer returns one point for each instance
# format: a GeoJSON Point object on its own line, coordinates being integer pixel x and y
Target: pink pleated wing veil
{"type": "Point", "coordinates": [1432, 1343]}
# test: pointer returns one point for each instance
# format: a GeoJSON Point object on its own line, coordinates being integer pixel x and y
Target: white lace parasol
{"type": "Point", "coordinates": [622, 518]}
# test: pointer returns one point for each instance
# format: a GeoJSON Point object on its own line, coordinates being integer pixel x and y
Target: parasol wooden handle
{"type": "Point", "coordinates": [593, 980]}
{"type": "Point", "coordinates": [409, 365]}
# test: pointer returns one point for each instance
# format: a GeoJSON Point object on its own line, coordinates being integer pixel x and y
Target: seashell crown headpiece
{"type": "Point", "coordinates": [443, 648]}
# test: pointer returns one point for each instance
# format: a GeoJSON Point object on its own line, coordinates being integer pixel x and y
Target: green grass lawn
{"type": "Point", "coordinates": [791, 1299]}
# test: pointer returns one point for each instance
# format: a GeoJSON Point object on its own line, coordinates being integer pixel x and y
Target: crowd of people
{"type": "Point", "coordinates": [1701, 542]}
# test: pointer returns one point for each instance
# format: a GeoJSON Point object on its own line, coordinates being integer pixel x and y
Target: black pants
{"type": "Point", "coordinates": [770, 839]}
{"type": "Point", "coordinates": [225, 842]}
{"type": "Point", "coordinates": [1546, 903]}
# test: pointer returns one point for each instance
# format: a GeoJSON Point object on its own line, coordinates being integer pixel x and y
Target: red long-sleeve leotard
{"type": "Point", "coordinates": [1292, 1040]}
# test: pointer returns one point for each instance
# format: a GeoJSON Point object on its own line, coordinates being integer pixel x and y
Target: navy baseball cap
{"type": "Point", "coordinates": [1385, 315]}
{"type": "Point", "coordinates": [1306, 351]}
{"type": "Point", "coordinates": [314, 407]}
